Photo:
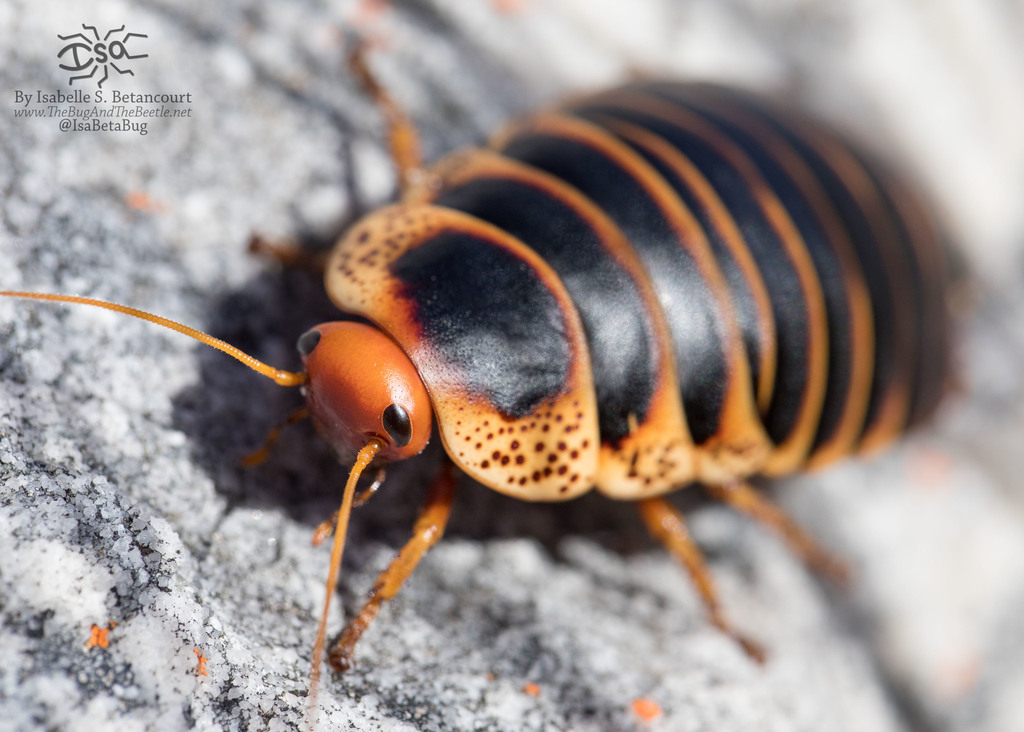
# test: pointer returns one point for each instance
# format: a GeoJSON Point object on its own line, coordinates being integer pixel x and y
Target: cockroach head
{"type": "Point", "coordinates": [361, 385]}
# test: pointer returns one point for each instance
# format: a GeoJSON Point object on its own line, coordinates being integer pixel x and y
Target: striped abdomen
{"type": "Point", "coordinates": [754, 295]}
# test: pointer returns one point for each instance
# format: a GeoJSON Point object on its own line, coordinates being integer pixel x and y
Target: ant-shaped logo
{"type": "Point", "coordinates": [99, 53]}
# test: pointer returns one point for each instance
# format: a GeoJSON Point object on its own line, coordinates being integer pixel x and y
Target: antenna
{"type": "Point", "coordinates": [284, 378]}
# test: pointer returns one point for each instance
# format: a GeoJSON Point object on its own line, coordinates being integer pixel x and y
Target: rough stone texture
{"type": "Point", "coordinates": [121, 500]}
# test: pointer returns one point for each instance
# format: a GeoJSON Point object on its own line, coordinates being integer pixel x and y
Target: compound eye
{"type": "Point", "coordinates": [307, 342]}
{"type": "Point", "coordinates": [397, 424]}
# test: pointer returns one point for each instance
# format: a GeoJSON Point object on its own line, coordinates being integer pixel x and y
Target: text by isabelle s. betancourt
{"type": "Point", "coordinates": [78, 96]}
{"type": "Point", "coordinates": [101, 110]}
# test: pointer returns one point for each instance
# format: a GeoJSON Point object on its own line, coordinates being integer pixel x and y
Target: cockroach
{"type": "Point", "coordinates": [655, 286]}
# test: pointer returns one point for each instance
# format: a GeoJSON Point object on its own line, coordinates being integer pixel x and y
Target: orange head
{"type": "Point", "coordinates": [361, 385]}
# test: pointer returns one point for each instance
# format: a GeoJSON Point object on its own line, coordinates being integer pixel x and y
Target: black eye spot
{"type": "Point", "coordinates": [397, 424]}
{"type": "Point", "coordinates": [307, 342]}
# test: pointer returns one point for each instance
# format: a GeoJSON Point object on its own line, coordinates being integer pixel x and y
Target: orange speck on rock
{"type": "Point", "coordinates": [98, 636]}
{"type": "Point", "coordinates": [647, 710]}
{"type": "Point", "coordinates": [201, 660]}
{"type": "Point", "coordinates": [368, 11]}
{"type": "Point", "coordinates": [532, 689]}
{"type": "Point", "coordinates": [142, 201]}
{"type": "Point", "coordinates": [508, 7]}
{"type": "Point", "coordinates": [930, 469]}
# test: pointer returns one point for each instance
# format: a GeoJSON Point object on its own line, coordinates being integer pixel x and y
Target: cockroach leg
{"type": "Point", "coordinates": [288, 253]}
{"type": "Point", "coordinates": [403, 138]}
{"type": "Point", "coordinates": [368, 492]}
{"type": "Point", "coordinates": [667, 525]}
{"type": "Point", "coordinates": [259, 455]}
{"type": "Point", "coordinates": [428, 531]}
{"type": "Point", "coordinates": [326, 527]}
{"type": "Point", "coordinates": [744, 498]}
